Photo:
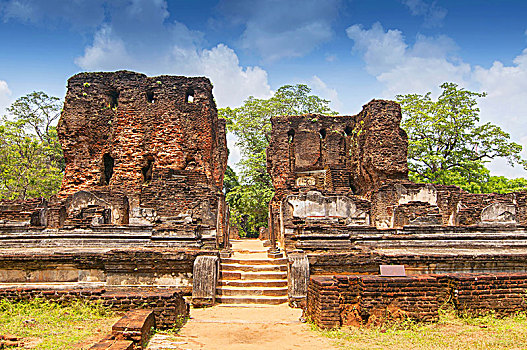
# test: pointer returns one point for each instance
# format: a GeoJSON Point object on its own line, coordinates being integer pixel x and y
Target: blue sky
{"type": "Point", "coordinates": [348, 51]}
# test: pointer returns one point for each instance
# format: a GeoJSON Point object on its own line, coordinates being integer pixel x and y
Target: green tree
{"type": "Point", "coordinates": [230, 180]}
{"type": "Point", "coordinates": [500, 184]}
{"type": "Point", "coordinates": [449, 145]}
{"type": "Point", "coordinates": [251, 123]}
{"type": "Point", "coordinates": [31, 161]}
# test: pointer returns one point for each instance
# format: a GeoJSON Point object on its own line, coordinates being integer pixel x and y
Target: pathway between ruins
{"type": "Point", "coordinates": [246, 318]}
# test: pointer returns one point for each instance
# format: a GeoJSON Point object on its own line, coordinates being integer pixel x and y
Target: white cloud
{"type": "Point", "coordinates": [331, 58]}
{"type": "Point", "coordinates": [407, 69]}
{"type": "Point", "coordinates": [139, 38]}
{"type": "Point", "coordinates": [433, 14]}
{"type": "Point", "coordinates": [138, 35]}
{"type": "Point", "coordinates": [232, 82]}
{"type": "Point", "coordinates": [106, 51]}
{"type": "Point", "coordinates": [423, 66]}
{"type": "Point", "coordinates": [5, 97]}
{"type": "Point", "coordinates": [285, 28]}
{"type": "Point", "coordinates": [321, 89]}
{"type": "Point", "coordinates": [506, 102]}
{"type": "Point", "coordinates": [381, 50]}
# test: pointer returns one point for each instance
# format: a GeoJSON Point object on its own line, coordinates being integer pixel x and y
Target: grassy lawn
{"type": "Point", "coordinates": [47, 325]}
{"type": "Point", "coordinates": [451, 332]}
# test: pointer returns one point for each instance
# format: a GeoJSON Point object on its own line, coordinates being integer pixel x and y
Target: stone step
{"type": "Point", "coordinates": [251, 251]}
{"type": "Point", "coordinates": [255, 256]}
{"type": "Point", "coordinates": [251, 300]}
{"type": "Point", "coordinates": [245, 275]}
{"type": "Point", "coordinates": [253, 283]}
{"type": "Point", "coordinates": [252, 268]}
{"type": "Point", "coordinates": [251, 291]}
{"type": "Point", "coordinates": [249, 261]}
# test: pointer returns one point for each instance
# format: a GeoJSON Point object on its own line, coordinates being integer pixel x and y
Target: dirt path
{"type": "Point", "coordinates": [253, 327]}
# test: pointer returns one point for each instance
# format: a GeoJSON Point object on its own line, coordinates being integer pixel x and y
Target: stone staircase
{"type": "Point", "coordinates": [250, 277]}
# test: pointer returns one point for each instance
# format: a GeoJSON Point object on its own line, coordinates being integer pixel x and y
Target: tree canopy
{"type": "Point", "coordinates": [449, 145]}
{"type": "Point", "coordinates": [251, 123]}
{"type": "Point", "coordinates": [31, 160]}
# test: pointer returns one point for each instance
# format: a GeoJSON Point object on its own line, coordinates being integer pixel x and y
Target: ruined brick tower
{"type": "Point", "coordinates": [143, 151]}
{"type": "Point", "coordinates": [336, 161]}
{"type": "Point", "coordinates": [338, 153]}
{"type": "Point", "coordinates": [342, 197]}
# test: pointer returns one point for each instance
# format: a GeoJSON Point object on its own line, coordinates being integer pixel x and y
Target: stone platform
{"type": "Point", "coordinates": [431, 249]}
{"type": "Point", "coordinates": [110, 266]}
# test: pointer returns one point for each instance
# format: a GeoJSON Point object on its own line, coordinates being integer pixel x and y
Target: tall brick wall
{"type": "Point", "coordinates": [378, 147]}
{"type": "Point", "coordinates": [155, 140]}
{"type": "Point", "coordinates": [338, 153]}
{"type": "Point", "coordinates": [339, 300]}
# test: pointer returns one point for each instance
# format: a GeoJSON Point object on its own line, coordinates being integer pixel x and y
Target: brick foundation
{"type": "Point", "coordinates": [339, 300]}
{"type": "Point", "coordinates": [167, 304]}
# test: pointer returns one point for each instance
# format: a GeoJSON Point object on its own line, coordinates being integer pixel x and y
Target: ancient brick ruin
{"type": "Point", "coordinates": [371, 300]}
{"type": "Point", "coordinates": [149, 151]}
{"type": "Point", "coordinates": [142, 200]}
{"type": "Point", "coordinates": [343, 201]}
{"type": "Point", "coordinates": [141, 153]}
{"type": "Point", "coordinates": [142, 195]}
{"type": "Point", "coordinates": [343, 197]}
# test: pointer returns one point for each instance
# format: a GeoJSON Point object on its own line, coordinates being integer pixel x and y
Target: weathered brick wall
{"type": "Point", "coordinates": [168, 304]}
{"type": "Point", "coordinates": [334, 301]}
{"type": "Point", "coordinates": [155, 140]}
{"type": "Point", "coordinates": [363, 158]}
{"type": "Point", "coordinates": [477, 294]}
{"type": "Point", "coordinates": [399, 203]}
{"type": "Point", "coordinates": [415, 297]}
{"type": "Point", "coordinates": [425, 261]}
{"type": "Point", "coordinates": [30, 211]}
{"type": "Point", "coordinates": [472, 205]}
{"type": "Point", "coordinates": [378, 146]}
{"type": "Point", "coordinates": [338, 153]}
{"type": "Point", "coordinates": [323, 304]}
{"type": "Point", "coordinates": [420, 213]}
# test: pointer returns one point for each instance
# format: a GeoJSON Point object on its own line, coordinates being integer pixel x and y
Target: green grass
{"type": "Point", "coordinates": [45, 324]}
{"type": "Point", "coordinates": [450, 332]}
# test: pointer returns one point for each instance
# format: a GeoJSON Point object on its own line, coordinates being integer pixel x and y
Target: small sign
{"type": "Point", "coordinates": [393, 270]}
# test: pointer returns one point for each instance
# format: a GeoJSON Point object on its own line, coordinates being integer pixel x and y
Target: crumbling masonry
{"type": "Point", "coordinates": [142, 191]}
{"type": "Point", "coordinates": [344, 201]}
{"type": "Point", "coordinates": [142, 198]}
{"type": "Point", "coordinates": [343, 197]}
{"type": "Point", "coordinates": [151, 151]}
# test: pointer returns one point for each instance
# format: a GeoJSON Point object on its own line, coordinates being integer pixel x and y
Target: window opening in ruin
{"type": "Point", "coordinates": [322, 133]}
{"type": "Point", "coordinates": [352, 186]}
{"type": "Point", "coordinates": [114, 99]}
{"type": "Point", "coordinates": [189, 98]}
{"type": "Point", "coordinates": [348, 130]}
{"type": "Point", "coordinates": [108, 167]}
{"type": "Point", "coordinates": [291, 136]}
{"type": "Point", "coordinates": [190, 163]}
{"type": "Point", "coordinates": [150, 97]}
{"type": "Point", "coordinates": [147, 169]}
